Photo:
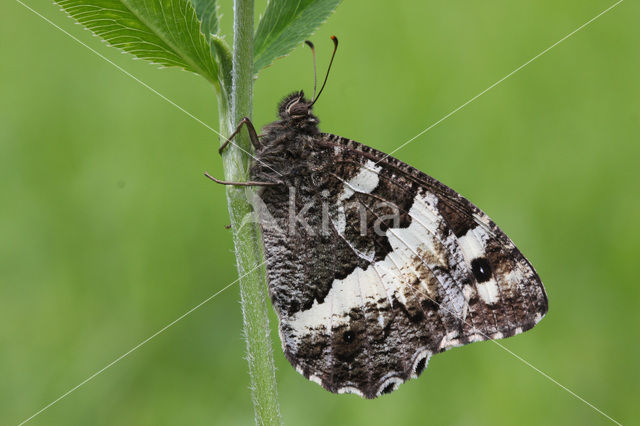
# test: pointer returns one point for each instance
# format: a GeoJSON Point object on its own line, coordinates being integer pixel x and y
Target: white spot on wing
{"type": "Point", "coordinates": [472, 246]}
{"type": "Point", "coordinates": [423, 211]}
{"type": "Point", "coordinates": [513, 279]}
{"type": "Point", "coordinates": [351, 389]}
{"type": "Point", "coordinates": [341, 223]}
{"type": "Point", "coordinates": [364, 182]}
{"type": "Point", "coordinates": [488, 291]}
{"type": "Point", "coordinates": [450, 340]}
{"type": "Point", "coordinates": [468, 292]}
{"type": "Point", "coordinates": [315, 379]}
{"type": "Point", "coordinates": [476, 338]}
{"type": "Point", "coordinates": [538, 317]}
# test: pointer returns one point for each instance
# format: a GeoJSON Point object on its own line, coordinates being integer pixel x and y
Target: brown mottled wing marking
{"type": "Point", "coordinates": [363, 312]}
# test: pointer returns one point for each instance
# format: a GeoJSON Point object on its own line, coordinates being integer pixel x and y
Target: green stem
{"type": "Point", "coordinates": [246, 234]}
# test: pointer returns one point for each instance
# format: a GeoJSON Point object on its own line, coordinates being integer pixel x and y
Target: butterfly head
{"type": "Point", "coordinates": [295, 110]}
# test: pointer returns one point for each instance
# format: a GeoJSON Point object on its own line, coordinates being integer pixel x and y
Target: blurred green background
{"type": "Point", "coordinates": [109, 231]}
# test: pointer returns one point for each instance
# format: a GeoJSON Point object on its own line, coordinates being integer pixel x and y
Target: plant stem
{"type": "Point", "coordinates": [246, 235]}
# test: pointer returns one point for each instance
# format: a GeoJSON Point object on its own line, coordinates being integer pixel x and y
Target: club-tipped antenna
{"type": "Point", "coordinates": [315, 72]}
{"type": "Point", "coordinates": [333, 55]}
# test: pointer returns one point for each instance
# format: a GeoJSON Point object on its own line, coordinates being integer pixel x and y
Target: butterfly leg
{"type": "Point", "coordinates": [253, 135]}
{"type": "Point", "coordinates": [247, 183]}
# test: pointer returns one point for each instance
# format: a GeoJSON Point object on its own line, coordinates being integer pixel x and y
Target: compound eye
{"type": "Point", "coordinates": [298, 108]}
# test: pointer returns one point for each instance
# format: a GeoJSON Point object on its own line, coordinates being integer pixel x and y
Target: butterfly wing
{"type": "Point", "coordinates": [376, 266]}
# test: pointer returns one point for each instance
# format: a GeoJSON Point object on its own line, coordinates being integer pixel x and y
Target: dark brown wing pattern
{"type": "Point", "coordinates": [386, 267]}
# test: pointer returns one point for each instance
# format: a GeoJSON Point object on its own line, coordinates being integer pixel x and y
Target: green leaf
{"type": "Point", "coordinates": [285, 24]}
{"type": "Point", "coordinates": [164, 32]}
{"type": "Point", "coordinates": [207, 12]}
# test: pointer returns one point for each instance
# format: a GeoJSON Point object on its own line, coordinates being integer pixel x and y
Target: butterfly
{"type": "Point", "coordinates": [372, 265]}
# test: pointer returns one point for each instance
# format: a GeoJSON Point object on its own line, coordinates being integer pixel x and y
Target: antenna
{"type": "Point", "coordinates": [315, 72]}
{"type": "Point", "coordinates": [335, 47]}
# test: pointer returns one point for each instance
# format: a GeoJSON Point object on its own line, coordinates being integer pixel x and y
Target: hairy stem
{"type": "Point", "coordinates": [246, 233]}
